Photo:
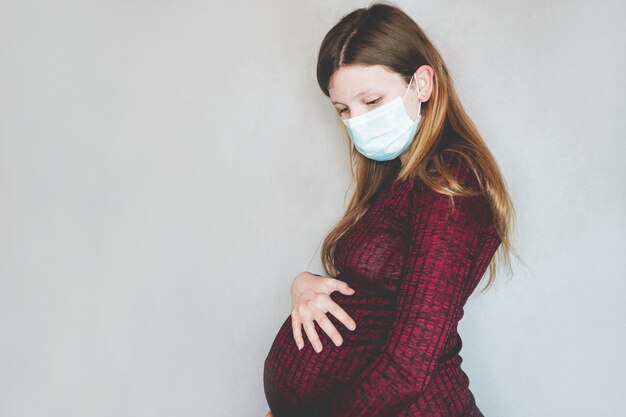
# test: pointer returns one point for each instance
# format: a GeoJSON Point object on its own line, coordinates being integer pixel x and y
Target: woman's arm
{"type": "Point", "coordinates": [430, 298]}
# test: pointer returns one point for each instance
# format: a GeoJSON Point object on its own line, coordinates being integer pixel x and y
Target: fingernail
{"type": "Point", "coordinates": [352, 327]}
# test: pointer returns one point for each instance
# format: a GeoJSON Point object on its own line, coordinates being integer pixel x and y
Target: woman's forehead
{"type": "Point", "coordinates": [349, 81]}
{"type": "Point", "coordinates": [350, 73]}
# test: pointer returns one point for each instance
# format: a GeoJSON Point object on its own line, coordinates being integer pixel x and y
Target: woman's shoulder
{"type": "Point", "coordinates": [462, 170]}
{"type": "Point", "coordinates": [459, 171]}
{"type": "Point", "coordinates": [426, 196]}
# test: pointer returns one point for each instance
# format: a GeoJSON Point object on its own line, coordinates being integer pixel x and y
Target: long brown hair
{"type": "Point", "coordinates": [382, 34]}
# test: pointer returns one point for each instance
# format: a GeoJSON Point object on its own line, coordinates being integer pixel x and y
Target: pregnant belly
{"type": "Point", "coordinates": [301, 382]}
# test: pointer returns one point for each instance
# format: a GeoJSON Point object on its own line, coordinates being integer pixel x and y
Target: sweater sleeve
{"type": "Point", "coordinates": [438, 260]}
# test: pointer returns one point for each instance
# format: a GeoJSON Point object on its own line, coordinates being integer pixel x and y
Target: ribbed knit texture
{"type": "Point", "coordinates": [413, 265]}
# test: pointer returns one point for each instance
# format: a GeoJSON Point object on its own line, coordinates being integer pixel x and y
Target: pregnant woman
{"type": "Point", "coordinates": [429, 211]}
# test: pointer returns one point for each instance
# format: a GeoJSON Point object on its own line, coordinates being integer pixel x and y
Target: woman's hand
{"type": "Point", "coordinates": [310, 301]}
{"type": "Point", "coordinates": [269, 414]}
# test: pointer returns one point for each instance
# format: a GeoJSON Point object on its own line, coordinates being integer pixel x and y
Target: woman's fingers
{"type": "Point", "coordinates": [333, 284]}
{"type": "Point", "coordinates": [296, 326]}
{"type": "Point", "coordinates": [304, 315]}
{"type": "Point", "coordinates": [341, 315]}
{"type": "Point", "coordinates": [330, 329]}
{"type": "Point", "coordinates": [309, 328]}
{"type": "Point", "coordinates": [269, 414]}
{"type": "Point", "coordinates": [310, 312]}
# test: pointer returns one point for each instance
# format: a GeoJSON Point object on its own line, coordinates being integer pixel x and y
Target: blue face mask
{"type": "Point", "coordinates": [386, 132]}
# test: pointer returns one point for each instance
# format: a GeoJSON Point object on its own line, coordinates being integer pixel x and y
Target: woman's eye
{"type": "Point", "coordinates": [369, 103]}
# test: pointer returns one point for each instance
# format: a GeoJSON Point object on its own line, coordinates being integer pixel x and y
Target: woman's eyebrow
{"type": "Point", "coordinates": [357, 96]}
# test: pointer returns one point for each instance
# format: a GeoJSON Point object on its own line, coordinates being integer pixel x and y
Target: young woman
{"type": "Point", "coordinates": [429, 211]}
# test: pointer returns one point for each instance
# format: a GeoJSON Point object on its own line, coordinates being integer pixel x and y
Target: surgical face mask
{"type": "Point", "coordinates": [386, 132]}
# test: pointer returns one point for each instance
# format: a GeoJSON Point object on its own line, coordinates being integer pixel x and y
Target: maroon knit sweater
{"type": "Point", "coordinates": [413, 266]}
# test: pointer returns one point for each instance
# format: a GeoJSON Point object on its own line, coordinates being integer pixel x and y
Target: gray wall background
{"type": "Point", "coordinates": [168, 167]}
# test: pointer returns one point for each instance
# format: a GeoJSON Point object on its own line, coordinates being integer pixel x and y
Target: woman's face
{"type": "Point", "coordinates": [356, 89]}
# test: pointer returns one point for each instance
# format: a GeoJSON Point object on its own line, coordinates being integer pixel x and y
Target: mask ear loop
{"type": "Point", "coordinates": [419, 109]}
{"type": "Point", "coordinates": [408, 87]}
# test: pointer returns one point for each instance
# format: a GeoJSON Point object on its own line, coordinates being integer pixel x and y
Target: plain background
{"type": "Point", "coordinates": [168, 167]}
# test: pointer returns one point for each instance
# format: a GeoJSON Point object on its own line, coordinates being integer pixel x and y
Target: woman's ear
{"type": "Point", "coordinates": [424, 79]}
